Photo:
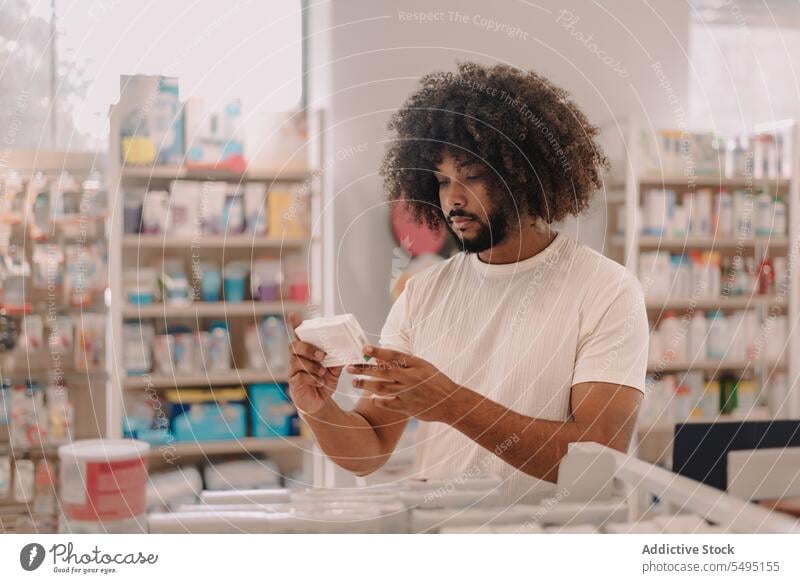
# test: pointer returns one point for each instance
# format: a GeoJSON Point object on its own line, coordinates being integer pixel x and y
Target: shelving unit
{"type": "Point", "coordinates": [86, 387]}
{"type": "Point", "coordinates": [132, 250]}
{"type": "Point", "coordinates": [210, 309]}
{"type": "Point", "coordinates": [633, 180]}
{"type": "Point", "coordinates": [210, 242]}
{"type": "Point", "coordinates": [212, 379]}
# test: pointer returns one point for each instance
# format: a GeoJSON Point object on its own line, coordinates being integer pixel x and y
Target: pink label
{"type": "Point", "coordinates": [114, 491]}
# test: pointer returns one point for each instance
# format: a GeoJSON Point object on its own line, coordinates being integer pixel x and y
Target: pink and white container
{"type": "Point", "coordinates": [103, 486]}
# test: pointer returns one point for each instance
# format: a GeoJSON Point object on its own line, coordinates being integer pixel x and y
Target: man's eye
{"type": "Point", "coordinates": [443, 182]}
{"type": "Point", "coordinates": [475, 177]}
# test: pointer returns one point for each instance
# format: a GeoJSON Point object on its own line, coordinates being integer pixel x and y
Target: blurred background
{"type": "Point", "coordinates": [175, 177]}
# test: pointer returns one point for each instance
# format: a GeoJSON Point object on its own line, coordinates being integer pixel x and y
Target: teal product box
{"type": "Point", "coordinates": [272, 413]}
{"type": "Point", "coordinates": [200, 415]}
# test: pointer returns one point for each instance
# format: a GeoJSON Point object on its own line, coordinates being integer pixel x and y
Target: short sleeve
{"type": "Point", "coordinates": [614, 337]}
{"type": "Point", "coordinates": [396, 331]}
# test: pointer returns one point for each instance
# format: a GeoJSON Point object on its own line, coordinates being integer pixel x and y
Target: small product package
{"type": "Point", "coordinates": [341, 337]}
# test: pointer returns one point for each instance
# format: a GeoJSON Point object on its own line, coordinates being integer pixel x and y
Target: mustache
{"type": "Point", "coordinates": [460, 213]}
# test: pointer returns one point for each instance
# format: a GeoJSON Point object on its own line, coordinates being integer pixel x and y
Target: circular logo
{"type": "Point", "coordinates": [31, 556]}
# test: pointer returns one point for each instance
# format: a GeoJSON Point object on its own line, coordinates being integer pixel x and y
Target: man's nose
{"type": "Point", "coordinates": [455, 197]}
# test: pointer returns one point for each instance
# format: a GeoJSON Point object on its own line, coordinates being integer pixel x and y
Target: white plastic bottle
{"type": "Point", "coordinates": [673, 345]}
{"type": "Point", "coordinates": [717, 335]}
{"type": "Point", "coordinates": [724, 214]}
{"type": "Point", "coordinates": [698, 329]}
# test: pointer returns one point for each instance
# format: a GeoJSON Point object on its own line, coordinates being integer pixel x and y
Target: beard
{"type": "Point", "coordinates": [487, 235]}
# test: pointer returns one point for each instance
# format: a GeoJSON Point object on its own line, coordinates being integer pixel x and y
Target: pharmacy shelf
{"type": "Point", "coordinates": [233, 446]}
{"type": "Point", "coordinates": [712, 365]}
{"type": "Point", "coordinates": [184, 173]}
{"type": "Point", "coordinates": [722, 303]}
{"type": "Point", "coordinates": [626, 244]}
{"type": "Point", "coordinates": [688, 243]}
{"type": "Point", "coordinates": [210, 309]}
{"type": "Point", "coordinates": [210, 242]}
{"type": "Point", "coordinates": [25, 452]}
{"type": "Point", "coordinates": [711, 181]}
{"type": "Point", "coordinates": [212, 379]}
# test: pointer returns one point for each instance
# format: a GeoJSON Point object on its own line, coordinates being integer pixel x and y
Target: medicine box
{"type": "Point", "coordinates": [197, 415]}
{"type": "Point", "coordinates": [272, 413]}
{"type": "Point", "coordinates": [341, 337]}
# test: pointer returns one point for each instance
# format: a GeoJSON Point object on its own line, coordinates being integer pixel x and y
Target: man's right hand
{"type": "Point", "coordinates": [311, 385]}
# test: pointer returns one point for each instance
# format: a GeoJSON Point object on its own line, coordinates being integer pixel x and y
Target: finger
{"type": "Point", "coordinates": [304, 379]}
{"type": "Point", "coordinates": [306, 350]}
{"type": "Point", "coordinates": [378, 387]}
{"type": "Point", "coordinates": [299, 363]}
{"type": "Point", "coordinates": [397, 358]}
{"type": "Point", "coordinates": [334, 372]}
{"type": "Point", "coordinates": [380, 371]}
{"type": "Point", "coordinates": [294, 320]}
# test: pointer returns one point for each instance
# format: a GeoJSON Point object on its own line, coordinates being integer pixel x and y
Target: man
{"type": "Point", "coordinates": [521, 344]}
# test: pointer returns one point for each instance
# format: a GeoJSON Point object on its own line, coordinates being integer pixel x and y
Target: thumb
{"type": "Point", "coordinates": [294, 320]}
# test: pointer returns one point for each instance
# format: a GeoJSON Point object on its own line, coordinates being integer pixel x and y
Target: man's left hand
{"type": "Point", "coordinates": [407, 384]}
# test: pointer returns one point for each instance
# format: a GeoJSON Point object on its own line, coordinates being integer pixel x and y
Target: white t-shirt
{"type": "Point", "coordinates": [522, 334]}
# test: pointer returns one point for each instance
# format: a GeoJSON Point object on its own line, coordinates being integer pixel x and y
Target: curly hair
{"type": "Point", "coordinates": [538, 146]}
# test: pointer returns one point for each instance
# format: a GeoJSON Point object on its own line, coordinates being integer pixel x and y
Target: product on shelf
{"type": "Point", "coordinates": [217, 348]}
{"type": "Point", "coordinates": [210, 282]}
{"type": "Point", "coordinates": [60, 415]}
{"type": "Point", "coordinates": [90, 336]}
{"type": "Point", "coordinates": [266, 280]}
{"type": "Point", "coordinates": [233, 217]}
{"type": "Point", "coordinates": [296, 279]}
{"type": "Point", "coordinates": [715, 336]}
{"type": "Point", "coordinates": [169, 490]}
{"type": "Point", "coordinates": [272, 413]}
{"type": "Point", "coordinates": [678, 152]}
{"type": "Point", "coordinates": [174, 283]}
{"type": "Point", "coordinates": [183, 209]}
{"type": "Point", "coordinates": [214, 138]}
{"type": "Point", "coordinates": [5, 476]}
{"type": "Point", "coordinates": [15, 270]}
{"type": "Point", "coordinates": [132, 210]}
{"type": "Point", "coordinates": [211, 202]}
{"type": "Point", "coordinates": [28, 427]}
{"type": "Point", "coordinates": [705, 215]}
{"type": "Point", "coordinates": [155, 212]}
{"type": "Point", "coordinates": [267, 346]}
{"type": "Point", "coordinates": [137, 340]}
{"type": "Point", "coordinates": [288, 214]}
{"type": "Point", "coordinates": [691, 275]}
{"type": "Point", "coordinates": [23, 481]}
{"type": "Point", "coordinates": [140, 285]}
{"type": "Point", "coordinates": [48, 265]}
{"type": "Point", "coordinates": [200, 415]}
{"type": "Point", "coordinates": [234, 281]}
{"type": "Point", "coordinates": [675, 399]}
{"type": "Point", "coordinates": [255, 200]}
{"type": "Point", "coordinates": [237, 474]}
{"type": "Point", "coordinates": [150, 120]}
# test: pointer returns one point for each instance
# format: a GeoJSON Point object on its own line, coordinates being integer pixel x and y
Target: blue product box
{"type": "Point", "coordinates": [199, 415]}
{"type": "Point", "coordinates": [273, 414]}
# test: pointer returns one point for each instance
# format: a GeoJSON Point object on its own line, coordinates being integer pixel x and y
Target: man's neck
{"type": "Point", "coordinates": [520, 244]}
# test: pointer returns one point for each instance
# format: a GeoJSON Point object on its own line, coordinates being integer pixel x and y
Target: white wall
{"type": "Point", "coordinates": [368, 61]}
